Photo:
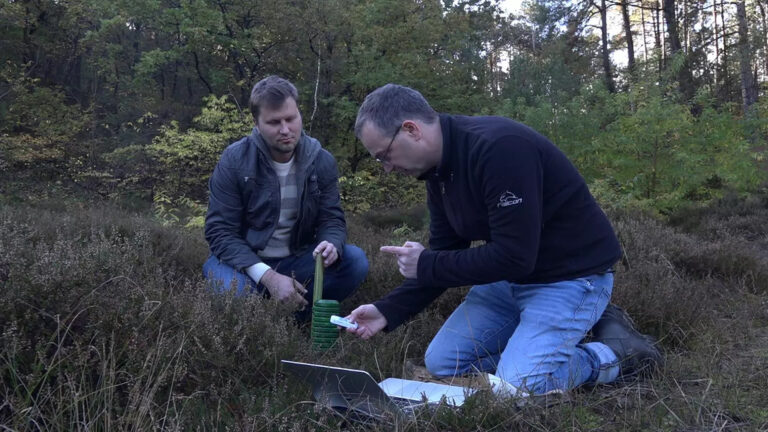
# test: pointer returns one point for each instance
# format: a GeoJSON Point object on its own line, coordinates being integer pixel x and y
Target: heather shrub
{"type": "Point", "coordinates": [107, 324]}
{"type": "Point", "coordinates": [105, 316]}
{"type": "Point", "coordinates": [736, 239]}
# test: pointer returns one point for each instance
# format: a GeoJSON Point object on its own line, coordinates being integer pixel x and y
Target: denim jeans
{"type": "Point", "coordinates": [339, 280]}
{"type": "Point", "coordinates": [528, 335]}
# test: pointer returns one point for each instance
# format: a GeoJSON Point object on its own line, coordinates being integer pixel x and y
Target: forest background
{"type": "Point", "coordinates": [113, 114]}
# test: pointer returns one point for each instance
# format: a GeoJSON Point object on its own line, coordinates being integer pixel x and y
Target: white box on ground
{"type": "Point", "coordinates": [416, 390]}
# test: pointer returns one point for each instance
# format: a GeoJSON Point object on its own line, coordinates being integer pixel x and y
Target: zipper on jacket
{"type": "Point", "coordinates": [302, 208]}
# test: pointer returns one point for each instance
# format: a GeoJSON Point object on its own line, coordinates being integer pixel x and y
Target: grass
{"type": "Point", "coordinates": [107, 325]}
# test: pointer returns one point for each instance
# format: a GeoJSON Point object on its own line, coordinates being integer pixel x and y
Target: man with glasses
{"type": "Point", "coordinates": [274, 206]}
{"type": "Point", "coordinates": [543, 277]}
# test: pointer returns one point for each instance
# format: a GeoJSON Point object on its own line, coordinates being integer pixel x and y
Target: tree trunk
{"type": "Point", "coordinates": [686, 32]}
{"type": "Point", "coordinates": [671, 21]}
{"type": "Point", "coordinates": [684, 75]}
{"type": "Point", "coordinates": [717, 38]}
{"type": "Point", "coordinates": [31, 52]}
{"type": "Point", "coordinates": [725, 43]}
{"type": "Point", "coordinates": [661, 32]}
{"type": "Point", "coordinates": [748, 87]}
{"type": "Point", "coordinates": [200, 73]}
{"type": "Point", "coordinates": [657, 35]}
{"type": "Point", "coordinates": [645, 41]}
{"type": "Point", "coordinates": [765, 38]}
{"type": "Point", "coordinates": [604, 47]}
{"type": "Point", "coordinates": [628, 36]}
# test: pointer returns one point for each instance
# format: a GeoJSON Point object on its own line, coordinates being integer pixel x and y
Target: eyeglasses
{"type": "Point", "coordinates": [384, 157]}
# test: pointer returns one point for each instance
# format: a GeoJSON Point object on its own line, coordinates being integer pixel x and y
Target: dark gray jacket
{"type": "Point", "coordinates": [244, 202]}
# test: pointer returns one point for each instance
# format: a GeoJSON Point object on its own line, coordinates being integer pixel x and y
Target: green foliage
{"type": "Point", "coordinates": [572, 122]}
{"type": "Point", "coordinates": [180, 211]}
{"type": "Point", "coordinates": [131, 172]}
{"type": "Point", "coordinates": [42, 131]}
{"type": "Point", "coordinates": [185, 159]}
{"type": "Point", "coordinates": [125, 60]}
{"type": "Point", "coordinates": [644, 150]}
{"type": "Point", "coordinates": [356, 47]}
{"type": "Point", "coordinates": [151, 63]}
{"type": "Point", "coordinates": [660, 156]}
{"type": "Point", "coordinates": [371, 188]}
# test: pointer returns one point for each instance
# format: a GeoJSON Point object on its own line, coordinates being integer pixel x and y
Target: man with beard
{"type": "Point", "coordinates": [274, 206]}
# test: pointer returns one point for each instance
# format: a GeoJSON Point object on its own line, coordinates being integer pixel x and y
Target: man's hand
{"type": "Point", "coordinates": [407, 257]}
{"type": "Point", "coordinates": [284, 289]}
{"type": "Point", "coordinates": [328, 251]}
{"type": "Point", "coordinates": [369, 321]}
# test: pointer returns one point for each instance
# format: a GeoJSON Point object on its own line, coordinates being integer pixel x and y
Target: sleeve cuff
{"type": "Point", "coordinates": [257, 270]}
{"type": "Point", "coordinates": [393, 318]}
{"type": "Point", "coordinates": [425, 266]}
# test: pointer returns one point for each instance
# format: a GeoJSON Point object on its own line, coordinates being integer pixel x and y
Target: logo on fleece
{"type": "Point", "coordinates": [508, 199]}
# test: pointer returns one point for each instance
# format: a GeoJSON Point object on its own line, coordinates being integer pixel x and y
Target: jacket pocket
{"type": "Point", "coordinates": [259, 201]}
{"type": "Point", "coordinates": [313, 187]}
{"type": "Point", "coordinates": [311, 197]}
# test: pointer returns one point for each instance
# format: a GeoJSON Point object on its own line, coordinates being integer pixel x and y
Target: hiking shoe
{"type": "Point", "coordinates": [637, 353]}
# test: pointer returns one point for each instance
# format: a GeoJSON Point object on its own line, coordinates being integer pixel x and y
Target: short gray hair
{"type": "Point", "coordinates": [271, 92]}
{"type": "Point", "coordinates": [388, 106]}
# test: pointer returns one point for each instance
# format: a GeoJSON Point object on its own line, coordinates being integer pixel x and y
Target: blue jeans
{"type": "Point", "coordinates": [339, 280]}
{"type": "Point", "coordinates": [528, 335]}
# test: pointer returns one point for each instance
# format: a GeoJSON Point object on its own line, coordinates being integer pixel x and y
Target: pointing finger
{"type": "Point", "coordinates": [397, 250]}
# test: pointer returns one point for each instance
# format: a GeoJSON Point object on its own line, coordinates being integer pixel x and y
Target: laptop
{"type": "Point", "coordinates": [356, 394]}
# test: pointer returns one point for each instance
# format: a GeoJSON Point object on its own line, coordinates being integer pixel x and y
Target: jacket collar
{"type": "Point", "coordinates": [305, 152]}
{"type": "Point", "coordinates": [445, 169]}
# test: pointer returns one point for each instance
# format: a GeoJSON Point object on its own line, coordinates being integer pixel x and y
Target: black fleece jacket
{"type": "Point", "coordinates": [503, 183]}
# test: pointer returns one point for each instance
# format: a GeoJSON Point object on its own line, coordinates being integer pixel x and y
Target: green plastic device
{"type": "Point", "coordinates": [324, 334]}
